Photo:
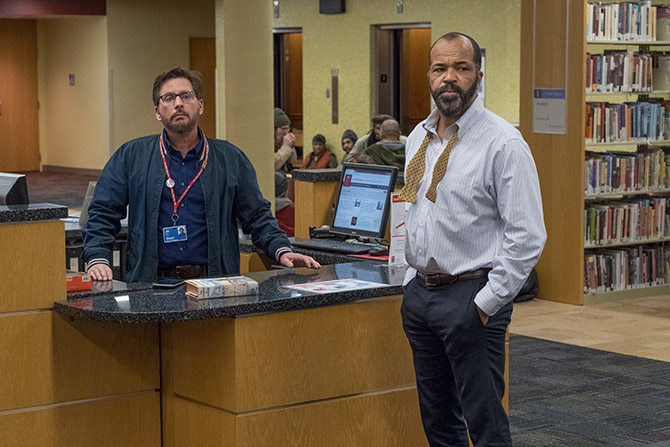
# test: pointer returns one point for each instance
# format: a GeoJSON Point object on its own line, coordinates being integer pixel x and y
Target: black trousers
{"type": "Point", "coordinates": [459, 363]}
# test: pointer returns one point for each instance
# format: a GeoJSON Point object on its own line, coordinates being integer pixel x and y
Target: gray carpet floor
{"type": "Point", "coordinates": [563, 396]}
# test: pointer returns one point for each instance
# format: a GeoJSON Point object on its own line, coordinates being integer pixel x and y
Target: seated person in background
{"type": "Point", "coordinates": [389, 151]}
{"type": "Point", "coordinates": [320, 157]}
{"type": "Point", "coordinates": [374, 135]}
{"type": "Point", "coordinates": [285, 155]}
{"type": "Point", "coordinates": [349, 138]}
{"type": "Point", "coordinates": [284, 208]}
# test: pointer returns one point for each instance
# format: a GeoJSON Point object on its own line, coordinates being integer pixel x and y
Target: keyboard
{"type": "Point", "coordinates": [335, 246]}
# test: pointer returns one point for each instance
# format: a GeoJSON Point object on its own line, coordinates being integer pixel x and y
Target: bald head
{"type": "Point", "coordinates": [390, 130]}
{"type": "Point", "coordinates": [469, 41]}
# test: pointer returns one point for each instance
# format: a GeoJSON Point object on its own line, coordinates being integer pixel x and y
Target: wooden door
{"type": "Point", "coordinates": [202, 58]}
{"type": "Point", "coordinates": [19, 126]}
{"type": "Point", "coordinates": [415, 93]}
{"type": "Point", "coordinates": [292, 78]}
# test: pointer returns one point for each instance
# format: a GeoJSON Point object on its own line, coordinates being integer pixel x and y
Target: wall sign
{"type": "Point", "coordinates": [549, 111]}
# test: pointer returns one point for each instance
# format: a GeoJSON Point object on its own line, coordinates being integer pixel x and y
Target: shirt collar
{"type": "Point", "coordinates": [464, 122]}
{"type": "Point", "coordinates": [199, 146]}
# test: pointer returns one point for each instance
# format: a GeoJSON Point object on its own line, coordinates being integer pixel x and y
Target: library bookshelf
{"type": "Point", "coordinates": [554, 49]}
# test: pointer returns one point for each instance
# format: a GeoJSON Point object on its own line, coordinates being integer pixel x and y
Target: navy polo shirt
{"type": "Point", "coordinates": [191, 210]}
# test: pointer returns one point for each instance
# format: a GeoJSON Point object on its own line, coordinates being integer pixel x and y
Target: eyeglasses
{"type": "Point", "coordinates": [169, 98]}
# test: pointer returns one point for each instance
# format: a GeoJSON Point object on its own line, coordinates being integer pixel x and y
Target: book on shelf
{"type": "Point", "coordinates": [622, 21]}
{"type": "Point", "coordinates": [626, 122]}
{"type": "Point", "coordinates": [625, 268]}
{"type": "Point", "coordinates": [76, 281]}
{"type": "Point", "coordinates": [625, 221]}
{"type": "Point", "coordinates": [617, 71]}
{"type": "Point", "coordinates": [645, 171]}
{"type": "Point", "coordinates": [228, 286]}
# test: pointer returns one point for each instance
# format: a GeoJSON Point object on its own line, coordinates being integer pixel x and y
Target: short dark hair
{"type": "Point", "coordinates": [318, 138]}
{"type": "Point", "coordinates": [194, 77]}
{"type": "Point", "coordinates": [476, 51]}
{"type": "Point", "coordinates": [378, 119]}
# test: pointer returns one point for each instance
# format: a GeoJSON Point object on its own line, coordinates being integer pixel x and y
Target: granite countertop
{"type": "Point", "coordinates": [116, 302]}
{"type": "Point", "coordinates": [32, 212]}
{"type": "Point", "coordinates": [331, 175]}
{"type": "Point", "coordinates": [317, 175]}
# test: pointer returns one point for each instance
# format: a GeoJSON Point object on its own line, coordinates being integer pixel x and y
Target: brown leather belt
{"type": "Point", "coordinates": [438, 279]}
{"type": "Point", "coordinates": [183, 271]}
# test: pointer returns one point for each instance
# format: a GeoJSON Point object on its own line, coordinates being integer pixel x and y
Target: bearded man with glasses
{"type": "Point", "coordinates": [184, 194]}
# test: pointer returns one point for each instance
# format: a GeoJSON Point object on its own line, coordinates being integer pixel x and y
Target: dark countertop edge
{"type": "Point", "coordinates": [330, 175]}
{"type": "Point", "coordinates": [317, 175]}
{"type": "Point", "coordinates": [274, 306]}
{"type": "Point", "coordinates": [32, 213]}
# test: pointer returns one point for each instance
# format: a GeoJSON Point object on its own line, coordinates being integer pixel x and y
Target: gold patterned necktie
{"type": "Point", "coordinates": [441, 167]}
{"type": "Point", "coordinates": [417, 166]}
{"type": "Point", "coordinates": [414, 172]}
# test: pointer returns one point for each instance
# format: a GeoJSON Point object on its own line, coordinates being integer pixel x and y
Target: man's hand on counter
{"type": "Point", "coordinates": [298, 260]}
{"type": "Point", "coordinates": [100, 272]}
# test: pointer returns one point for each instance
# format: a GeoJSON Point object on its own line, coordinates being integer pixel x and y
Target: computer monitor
{"type": "Point", "coordinates": [83, 215]}
{"type": "Point", "coordinates": [363, 202]}
{"type": "Point", "coordinates": [13, 189]}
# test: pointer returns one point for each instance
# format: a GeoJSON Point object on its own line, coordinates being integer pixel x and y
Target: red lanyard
{"type": "Point", "coordinates": [170, 183]}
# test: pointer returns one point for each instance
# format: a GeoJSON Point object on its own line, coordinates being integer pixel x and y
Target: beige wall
{"type": "Point", "coordinates": [74, 120]}
{"type": "Point", "coordinates": [123, 52]}
{"type": "Point", "coordinates": [146, 38]}
{"type": "Point", "coordinates": [115, 60]}
{"type": "Point", "coordinates": [345, 41]}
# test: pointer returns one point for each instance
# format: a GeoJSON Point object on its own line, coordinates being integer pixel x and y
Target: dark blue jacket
{"type": "Point", "coordinates": [134, 177]}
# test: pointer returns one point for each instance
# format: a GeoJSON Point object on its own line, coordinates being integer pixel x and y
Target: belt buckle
{"type": "Point", "coordinates": [431, 279]}
{"type": "Point", "coordinates": [185, 271]}
{"type": "Point", "coordinates": [439, 279]}
{"type": "Point", "coordinates": [428, 280]}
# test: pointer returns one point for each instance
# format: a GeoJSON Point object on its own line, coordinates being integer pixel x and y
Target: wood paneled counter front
{"type": "Point", "coordinates": [66, 382]}
{"type": "Point", "coordinates": [285, 367]}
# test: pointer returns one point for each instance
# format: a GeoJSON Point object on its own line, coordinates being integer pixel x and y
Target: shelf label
{"type": "Point", "coordinates": [549, 111]}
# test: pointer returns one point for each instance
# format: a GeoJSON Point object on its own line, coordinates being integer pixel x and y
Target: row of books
{"type": "Point", "coordinates": [625, 268]}
{"type": "Point", "coordinates": [204, 288]}
{"type": "Point", "coordinates": [644, 171]}
{"type": "Point", "coordinates": [625, 221]}
{"type": "Point", "coordinates": [631, 121]}
{"type": "Point", "coordinates": [627, 21]}
{"type": "Point", "coordinates": [619, 71]}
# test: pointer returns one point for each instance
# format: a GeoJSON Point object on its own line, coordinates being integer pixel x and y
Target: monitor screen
{"type": "Point", "coordinates": [363, 202]}
{"type": "Point", "coordinates": [13, 189]}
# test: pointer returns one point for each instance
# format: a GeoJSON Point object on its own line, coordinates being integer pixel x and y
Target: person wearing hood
{"type": "Point", "coordinates": [285, 154]}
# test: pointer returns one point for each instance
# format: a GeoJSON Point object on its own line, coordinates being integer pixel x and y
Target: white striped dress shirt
{"type": "Point", "coordinates": [488, 212]}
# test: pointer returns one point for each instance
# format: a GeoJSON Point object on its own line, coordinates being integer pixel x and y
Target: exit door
{"type": "Point", "coordinates": [401, 73]}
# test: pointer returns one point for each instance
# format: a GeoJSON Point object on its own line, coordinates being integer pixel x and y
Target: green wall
{"type": "Point", "coordinates": [346, 42]}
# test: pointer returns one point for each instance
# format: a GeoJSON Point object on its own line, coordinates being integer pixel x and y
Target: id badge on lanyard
{"type": "Point", "coordinates": [174, 234]}
{"type": "Point", "coordinates": [177, 233]}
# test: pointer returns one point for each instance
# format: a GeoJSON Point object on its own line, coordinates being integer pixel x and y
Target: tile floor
{"type": "Point", "coordinates": [635, 326]}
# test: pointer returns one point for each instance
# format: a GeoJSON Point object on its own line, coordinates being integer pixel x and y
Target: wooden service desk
{"type": "Point", "coordinates": [285, 367]}
{"type": "Point", "coordinates": [66, 382]}
{"type": "Point", "coordinates": [315, 193]}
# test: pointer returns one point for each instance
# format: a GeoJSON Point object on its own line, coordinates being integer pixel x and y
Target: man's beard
{"type": "Point", "coordinates": [181, 127]}
{"type": "Point", "coordinates": [453, 106]}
